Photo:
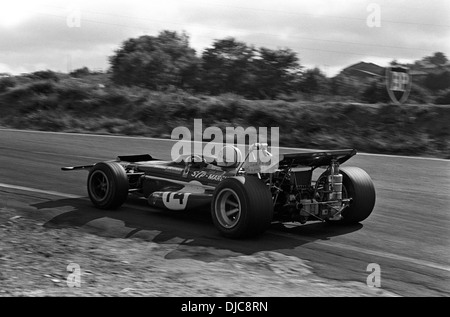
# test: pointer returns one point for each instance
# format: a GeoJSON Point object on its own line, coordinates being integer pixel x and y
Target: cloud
{"type": "Point", "coordinates": [325, 33]}
{"type": "Point", "coordinates": [329, 33]}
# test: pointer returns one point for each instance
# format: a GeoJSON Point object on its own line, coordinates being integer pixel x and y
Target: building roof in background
{"type": "Point", "coordinates": [363, 70]}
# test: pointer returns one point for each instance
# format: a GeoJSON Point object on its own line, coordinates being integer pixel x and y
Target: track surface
{"type": "Point", "coordinates": [407, 235]}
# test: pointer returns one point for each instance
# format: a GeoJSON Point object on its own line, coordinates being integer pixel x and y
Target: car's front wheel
{"type": "Point", "coordinates": [107, 185]}
{"type": "Point", "coordinates": [242, 207]}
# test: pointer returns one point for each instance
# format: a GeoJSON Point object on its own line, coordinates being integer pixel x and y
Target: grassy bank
{"type": "Point", "coordinates": [76, 105]}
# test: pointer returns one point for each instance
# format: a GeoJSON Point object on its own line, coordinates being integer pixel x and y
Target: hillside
{"type": "Point", "coordinates": [93, 104]}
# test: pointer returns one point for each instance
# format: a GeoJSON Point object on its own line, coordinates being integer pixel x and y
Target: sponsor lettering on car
{"type": "Point", "coordinates": [218, 177]}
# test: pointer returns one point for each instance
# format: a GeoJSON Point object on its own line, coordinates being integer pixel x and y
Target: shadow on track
{"type": "Point", "coordinates": [187, 229]}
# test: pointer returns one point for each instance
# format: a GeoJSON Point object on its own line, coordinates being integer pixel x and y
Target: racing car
{"type": "Point", "coordinates": [244, 199]}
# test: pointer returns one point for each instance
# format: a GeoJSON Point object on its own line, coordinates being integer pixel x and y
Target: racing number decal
{"type": "Point", "coordinates": [175, 196]}
{"type": "Point", "coordinates": [175, 201]}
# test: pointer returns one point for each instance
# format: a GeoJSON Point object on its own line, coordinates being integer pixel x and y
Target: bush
{"type": "Point", "coordinates": [45, 75]}
{"type": "Point", "coordinates": [444, 99]}
{"type": "Point", "coordinates": [74, 105]}
{"type": "Point", "coordinates": [73, 93]}
{"type": "Point", "coordinates": [17, 96]}
{"type": "Point", "coordinates": [419, 94]}
{"type": "Point", "coordinates": [6, 83]}
{"type": "Point", "coordinates": [438, 81]}
{"type": "Point", "coordinates": [39, 103]}
{"type": "Point", "coordinates": [42, 87]}
{"type": "Point", "coordinates": [375, 93]}
{"type": "Point", "coordinates": [80, 72]}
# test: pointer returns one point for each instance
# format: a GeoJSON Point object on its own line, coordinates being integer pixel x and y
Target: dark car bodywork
{"type": "Point", "coordinates": [234, 193]}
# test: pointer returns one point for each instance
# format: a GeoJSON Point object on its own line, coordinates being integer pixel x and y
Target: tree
{"type": "Point", "coordinates": [233, 66]}
{"type": "Point", "coordinates": [228, 67]}
{"type": "Point", "coordinates": [155, 62]}
{"type": "Point", "coordinates": [277, 71]}
{"type": "Point", "coordinates": [80, 72]}
{"type": "Point", "coordinates": [314, 81]}
{"type": "Point", "coordinates": [393, 62]}
{"type": "Point", "coordinates": [438, 59]}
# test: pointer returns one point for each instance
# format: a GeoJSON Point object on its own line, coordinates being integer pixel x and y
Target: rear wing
{"type": "Point", "coordinates": [136, 158]}
{"type": "Point", "coordinates": [315, 159]}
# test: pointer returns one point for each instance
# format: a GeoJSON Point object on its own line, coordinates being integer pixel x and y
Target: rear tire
{"type": "Point", "coordinates": [358, 186]}
{"type": "Point", "coordinates": [107, 185]}
{"type": "Point", "coordinates": [242, 207]}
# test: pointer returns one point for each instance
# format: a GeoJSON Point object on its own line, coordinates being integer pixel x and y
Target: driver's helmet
{"type": "Point", "coordinates": [229, 156]}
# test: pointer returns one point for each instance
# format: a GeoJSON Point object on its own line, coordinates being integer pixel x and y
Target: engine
{"type": "Point", "coordinates": [298, 198]}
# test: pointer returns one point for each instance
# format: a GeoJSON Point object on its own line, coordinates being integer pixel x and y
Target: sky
{"type": "Point", "coordinates": [63, 35]}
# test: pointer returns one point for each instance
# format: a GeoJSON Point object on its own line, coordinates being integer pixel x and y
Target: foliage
{"type": "Point", "coordinates": [81, 72]}
{"type": "Point", "coordinates": [44, 75]}
{"type": "Point", "coordinates": [155, 62]}
{"type": "Point", "coordinates": [420, 94]}
{"type": "Point", "coordinates": [72, 105]}
{"type": "Point", "coordinates": [375, 93]}
{"type": "Point", "coordinates": [437, 58]}
{"type": "Point", "coordinates": [6, 83]}
{"type": "Point", "coordinates": [277, 72]}
{"type": "Point", "coordinates": [167, 62]}
{"type": "Point", "coordinates": [228, 67]}
{"type": "Point", "coordinates": [438, 81]}
{"type": "Point", "coordinates": [444, 98]}
{"type": "Point", "coordinates": [314, 81]}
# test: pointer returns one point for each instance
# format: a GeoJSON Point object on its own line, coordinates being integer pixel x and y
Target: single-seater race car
{"type": "Point", "coordinates": [244, 199]}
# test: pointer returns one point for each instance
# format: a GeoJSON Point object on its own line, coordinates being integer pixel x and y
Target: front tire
{"type": "Point", "coordinates": [107, 185]}
{"type": "Point", "coordinates": [242, 207]}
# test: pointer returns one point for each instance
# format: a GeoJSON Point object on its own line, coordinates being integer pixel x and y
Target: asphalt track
{"type": "Point", "coordinates": [407, 235]}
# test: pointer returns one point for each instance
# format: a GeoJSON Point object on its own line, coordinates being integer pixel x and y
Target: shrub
{"type": "Point", "coordinates": [438, 81]}
{"type": "Point", "coordinates": [42, 87]}
{"type": "Point", "coordinates": [443, 99]}
{"type": "Point", "coordinates": [44, 75]}
{"type": "Point", "coordinates": [419, 94]}
{"type": "Point", "coordinates": [375, 93]}
{"type": "Point", "coordinates": [6, 83]}
{"type": "Point", "coordinates": [80, 72]}
{"type": "Point", "coordinates": [39, 102]}
{"type": "Point", "coordinates": [17, 96]}
{"type": "Point", "coordinates": [73, 93]}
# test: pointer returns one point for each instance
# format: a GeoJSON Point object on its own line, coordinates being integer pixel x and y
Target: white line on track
{"type": "Point", "coordinates": [170, 140]}
{"type": "Point", "coordinates": [40, 191]}
{"type": "Point", "coordinates": [330, 244]}
{"type": "Point", "coordinates": [63, 155]}
{"type": "Point", "coordinates": [368, 252]}
{"type": "Point", "coordinates": [57, 194]}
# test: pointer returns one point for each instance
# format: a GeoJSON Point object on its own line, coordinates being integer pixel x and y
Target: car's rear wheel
{"type": "Point", "coordinates": [107, 185]}
{"type": "Point", "coordinates": [358, 186]}
{"type": "Point", "coordinates": [242, 207]}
